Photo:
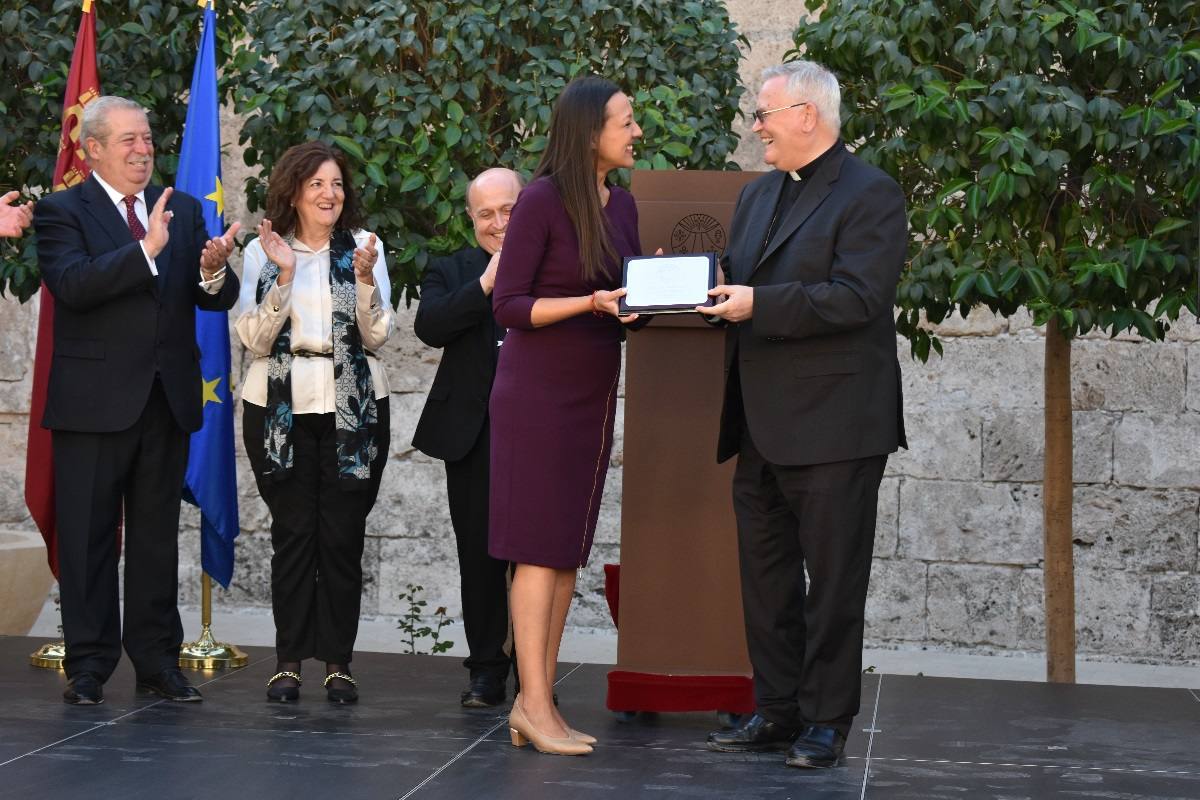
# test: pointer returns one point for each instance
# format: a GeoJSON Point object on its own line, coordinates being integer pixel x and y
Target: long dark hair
{"type": "Point", "coordinates": [298, 164]}
{"type": "Point", "coordinates": [569, 160]}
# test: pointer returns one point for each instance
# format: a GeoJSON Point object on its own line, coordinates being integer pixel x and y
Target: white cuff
{"type": "Point", "coordinates": [213, 286]}
{"type": "Point", "coordinates": [149, 260]}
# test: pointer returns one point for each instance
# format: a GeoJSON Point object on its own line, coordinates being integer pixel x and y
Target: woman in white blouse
{"type": "Point", "coordinates": [315, 309]}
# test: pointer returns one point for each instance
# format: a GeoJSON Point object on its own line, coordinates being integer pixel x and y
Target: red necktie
{"type": "Point", "coordinates": [135, 224]}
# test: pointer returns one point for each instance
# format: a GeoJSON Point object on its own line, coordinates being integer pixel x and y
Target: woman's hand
{"type": "Point", "coordinates": [606, 302]}
{"type": "Point", "coordinates": [364, 262]}
{"type": "Point", "coordinates": [279, 251]}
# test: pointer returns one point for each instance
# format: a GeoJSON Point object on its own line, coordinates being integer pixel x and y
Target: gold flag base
{"type": "Point", "coordinates": [207, 653]}
{"type": "Point", "coordinates": [49, 656]}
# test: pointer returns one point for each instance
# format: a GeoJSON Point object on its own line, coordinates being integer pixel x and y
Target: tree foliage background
{"type": "Point", "coordinates": [1050, 151]}
{"type": "Point", "coordinates": [423, 94]}
{"type": "Point", "coordinates": [145, 50]}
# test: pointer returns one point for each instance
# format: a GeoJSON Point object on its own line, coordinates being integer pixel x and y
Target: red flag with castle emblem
{"type": "Point", "coordinates": [83, 86]}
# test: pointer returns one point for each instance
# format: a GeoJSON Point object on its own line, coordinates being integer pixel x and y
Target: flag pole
{"type": "Point", "coordinates": [210, 481]}
{"type": "Point", "coordinates": [206, 652]}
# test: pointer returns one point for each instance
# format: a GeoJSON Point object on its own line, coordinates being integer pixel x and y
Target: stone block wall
{"type": "Point", "coordinates": [959, 551]}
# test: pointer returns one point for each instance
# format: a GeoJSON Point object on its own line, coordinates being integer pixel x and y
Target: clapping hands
{"type": "Point", "coordinates": [216, 252]}
{"type": "Point", "coordinates": [14, 219]}
{"type": "Point", "coordinates": [279, 251]}
{"type": "Point", "coordinates": [364, 262]}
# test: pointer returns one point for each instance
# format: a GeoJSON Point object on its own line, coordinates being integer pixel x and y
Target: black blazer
{"type": "Point", "coordinates": [115, 324]}
{"type": "Point", "coordinates": [456, 315]}
{"type": "Point", "coordinates": [820, 381]}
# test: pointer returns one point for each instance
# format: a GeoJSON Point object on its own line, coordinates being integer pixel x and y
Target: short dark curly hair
{"type": "Point", "coordinates": [298, 164]}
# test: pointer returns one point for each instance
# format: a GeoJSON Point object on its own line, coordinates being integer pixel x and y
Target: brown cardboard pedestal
{"type": "Point", "coordinates": [681, 643]}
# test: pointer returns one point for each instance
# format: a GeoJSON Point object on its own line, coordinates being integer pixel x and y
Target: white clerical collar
{"type": "Point", "coordinates": [113, 194]}
{"type": "Point", "coordinates": [795, 175]}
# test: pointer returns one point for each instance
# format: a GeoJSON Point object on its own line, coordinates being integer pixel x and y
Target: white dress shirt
{"type": "Point", "coordinates": [143, 214]}
{"type": "Point", "coordinates": [308, 302]}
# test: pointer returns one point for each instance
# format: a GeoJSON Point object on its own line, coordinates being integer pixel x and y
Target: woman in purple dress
{"type": "Point", "coordinates": [555, 394]}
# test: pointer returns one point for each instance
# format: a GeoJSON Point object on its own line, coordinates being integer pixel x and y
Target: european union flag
{"type": "Point", "coordinates": [211, 481]}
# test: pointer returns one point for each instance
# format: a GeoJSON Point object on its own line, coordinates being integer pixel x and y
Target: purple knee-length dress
{"type": "Point", "coordinates": [555, 395]}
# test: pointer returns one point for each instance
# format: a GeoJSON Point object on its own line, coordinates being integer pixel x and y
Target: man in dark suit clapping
{"type": "Point", "coordinates": [812, 409]}
{"type": "Point", "coordinates": [456, 314]}
{"type": "Point", "coordinates": [128, 263]}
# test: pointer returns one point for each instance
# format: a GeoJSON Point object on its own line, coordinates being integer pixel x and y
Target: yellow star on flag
{"type": "Point", "coordinates": [210, 392]}
{"type": "Point", "coordinates": [218, 197]}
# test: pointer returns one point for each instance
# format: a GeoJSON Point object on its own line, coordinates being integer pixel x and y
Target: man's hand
{"type": "Point", "coordinates": [364, 262]}
{"type": "Point", "coordinates": [216, 252]}
{"type": "Point", "coordinates": [738, 305]}
{"type": "Point", "coordinates": [157, 234]}
{"type": "Point", "coordinates": [14, 219]}
{"type": "Point", "coordinates": [279, 251]}
{"type": "Point", "coordinates": [488, 279]}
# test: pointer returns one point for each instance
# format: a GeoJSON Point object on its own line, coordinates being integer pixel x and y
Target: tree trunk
{"type": "Point", "coordinates": [1057, 499]}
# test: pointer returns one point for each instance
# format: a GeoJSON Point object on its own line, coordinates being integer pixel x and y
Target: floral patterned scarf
{"type": "Point", "coordinates": [354, 391]}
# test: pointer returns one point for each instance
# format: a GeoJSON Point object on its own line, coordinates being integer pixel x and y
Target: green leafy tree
{"type": "Point", "coordinates": [423, 94]}
{"type": "Point", "coordinates": [145, 50]}
{"type": "Point", "coordinates": [1050, 152]}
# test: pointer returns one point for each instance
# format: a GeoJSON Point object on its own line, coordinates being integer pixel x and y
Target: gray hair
{"type": "Point", "coordinates": [810, 82]}
{"type": "Point", "coordinates": [94, 124]}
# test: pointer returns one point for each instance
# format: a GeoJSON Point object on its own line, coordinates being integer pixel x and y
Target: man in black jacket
{"type": "Point", "coordinates": [456, 314]}
{"type": "Point", "coordinates": [812, 409]}
{"type": "Point", "coordinates": [128, 263]}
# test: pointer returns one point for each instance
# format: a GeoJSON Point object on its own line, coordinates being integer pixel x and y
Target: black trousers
{"type": "Point", "coordinates": [805, 646]}
{"type": "Point", "coordinates": [318, 528]}
{"type": "Point", "coordinates": [483, 579]}
{"type": "Point", "coordinates": [94, 474]}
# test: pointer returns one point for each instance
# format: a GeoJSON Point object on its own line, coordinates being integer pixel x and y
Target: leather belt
{"type": "Point", "coordinates": [312, 354]}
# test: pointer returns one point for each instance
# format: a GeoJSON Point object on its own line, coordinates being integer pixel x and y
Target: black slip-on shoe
{"type": "Point", "coordinates": [85, 689]}
{"type": "Point", "coordinates": [756, 735]}
{"type": "Point", "coordinates": [170, 684]}
{"type": "Point", "coordinates": [485, 691]}
{"type": "Point", "coordinates": [819, 747]}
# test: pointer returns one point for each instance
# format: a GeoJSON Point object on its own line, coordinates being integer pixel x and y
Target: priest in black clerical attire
{"type": "Point", "coordinates": [812, 409]}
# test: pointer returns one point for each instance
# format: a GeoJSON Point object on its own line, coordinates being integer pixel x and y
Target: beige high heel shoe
{"type": "Point", "coordinates": [523, 733]}
{"type": "Point", "coordinates": [580, 736]}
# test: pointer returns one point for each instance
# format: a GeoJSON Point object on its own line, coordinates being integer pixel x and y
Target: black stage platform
{"type": "Point", "coordinates": [916, 738]}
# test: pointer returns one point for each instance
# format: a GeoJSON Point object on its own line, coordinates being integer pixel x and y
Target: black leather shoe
{"type": "Point", "coordinates": [757, 734]}
{"type": "Point", "coordinates": [485, 691]}
{"type": "Point", "coordinates": [171, 684]}
{"type": "Point", "coordinates": [85, 689]}
{"type": "Point", "coordinates": [818, 747]}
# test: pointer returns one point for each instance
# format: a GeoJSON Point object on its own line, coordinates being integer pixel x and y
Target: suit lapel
{"type": "Point", "coordinates": [810, 199]}
{"type": "Point", "coordinates": [100, 208]}
{"type": "Point", "coordinates": [756, 227]}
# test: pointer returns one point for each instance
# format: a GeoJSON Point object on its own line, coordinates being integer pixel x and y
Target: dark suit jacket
{"type": "Point", "coordinates": [456, 315]}
{"type": "Point", "coordinates": [115, 324]}
{"type": "Point", "coordinates": [820, 381]}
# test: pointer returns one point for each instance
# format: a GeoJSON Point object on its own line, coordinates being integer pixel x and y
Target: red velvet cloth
{"type": "Point", "coordinates": [644, 691]}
